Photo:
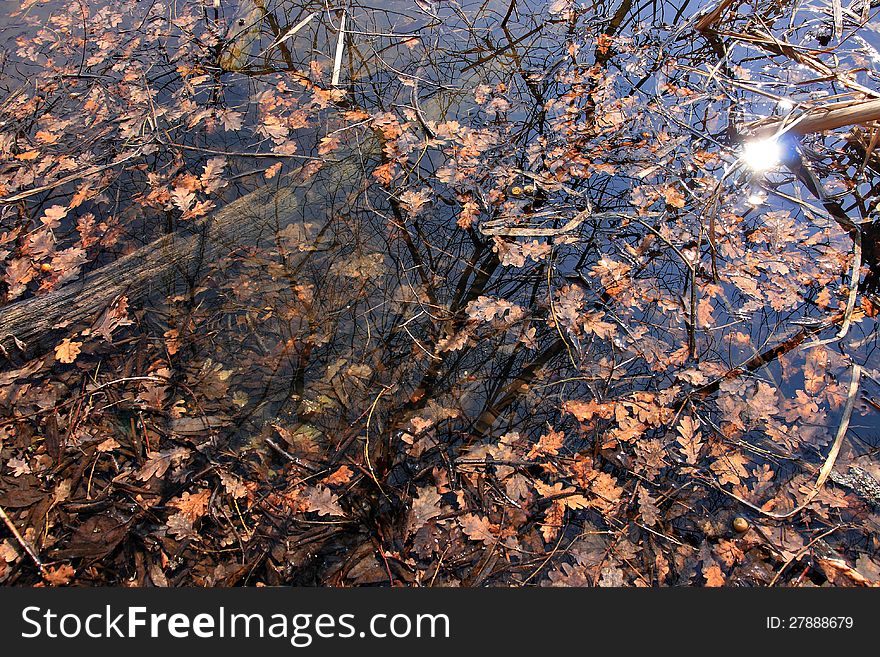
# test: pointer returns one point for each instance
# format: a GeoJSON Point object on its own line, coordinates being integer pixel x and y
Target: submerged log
{"type": "Point", "coordinates": [29, 326]}
{"type": "Point", "coordinates": [243, 33]}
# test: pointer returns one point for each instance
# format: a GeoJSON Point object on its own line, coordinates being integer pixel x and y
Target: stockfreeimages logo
{"type": "Point", "coordinates": [299, 629]}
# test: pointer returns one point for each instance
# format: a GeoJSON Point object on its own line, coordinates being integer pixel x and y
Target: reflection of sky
{"type": "Point", "coordinates": [467, 44]}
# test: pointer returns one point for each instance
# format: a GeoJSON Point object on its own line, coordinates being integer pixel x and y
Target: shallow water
{"type": "Point", "coordinates": [369, 313]}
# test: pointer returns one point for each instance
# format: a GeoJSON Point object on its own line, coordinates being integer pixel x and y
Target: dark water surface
{"type": "Point", "coordinates": [374, 316]}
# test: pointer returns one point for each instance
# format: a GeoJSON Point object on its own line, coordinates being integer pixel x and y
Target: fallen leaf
{"type": "Point", "coordinates": [425, 507]}
{"type": "Point", "coordinates": [477, 528]}
{"type": "Point", "coordinates": [193, 505]}
{"type": "Point", "coordinates": [324, 502]}
{"type": "Point", "coordinates": [59, 576]}
{"type": "Point", "coordinates": [713, 575]}
{"type": "Point", "coordinates": [341, 476]}
{"type": "Point", "coordinates": [68, 350]}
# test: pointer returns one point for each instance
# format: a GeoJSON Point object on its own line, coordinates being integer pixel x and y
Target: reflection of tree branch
{"type": "Point", "coordinates": [759, 360]}
{"type": "Point", "coordinates": [514, 390]}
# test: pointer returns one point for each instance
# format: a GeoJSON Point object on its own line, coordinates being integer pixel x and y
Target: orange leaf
{"type": "Point", "coordinates": [59, 576]}
{"type": "Point", "coordinates": [341, 476]}
{"type": "Point", "coordinates": [193, 505]}
{"type": "Point", "coordinates": [67, 351]}
{"type": "Point", "coordinates": [714, 575]}
{"type": "Point", "coordinates": [477, 528]}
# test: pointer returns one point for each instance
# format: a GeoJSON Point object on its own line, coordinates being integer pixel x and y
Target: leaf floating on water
{"type": "Point", "coordinates": [324, 502]}
{"type": "Point", "coordinates": [367, 266]}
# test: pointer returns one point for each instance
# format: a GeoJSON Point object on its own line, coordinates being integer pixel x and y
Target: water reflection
{"type": "Point", "coordinates": [509, 223]}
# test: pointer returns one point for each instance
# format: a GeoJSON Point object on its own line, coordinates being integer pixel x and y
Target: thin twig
{"type": "Point", "coordinates": [21, 541]}
{"type": "Point", "coordinates": [797, 555]}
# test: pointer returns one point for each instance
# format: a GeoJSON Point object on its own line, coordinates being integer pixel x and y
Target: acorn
{"type": "Point", "coordinates": [740, 524]}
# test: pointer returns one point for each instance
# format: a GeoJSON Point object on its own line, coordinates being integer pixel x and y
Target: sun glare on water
{"type": "Point", "coordinates": [761, 155]}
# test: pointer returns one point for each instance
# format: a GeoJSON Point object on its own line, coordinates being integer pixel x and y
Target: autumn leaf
{"type": "Point", "coordinates": [470, 211]}
{"type": "Point", "coordinates": [53, 215]}
{"type": "Point", "coordinates": [183, 198]}
{"type": "Point", "coordinates": [107, 445]}
{"type": "Point", "coordinates": [19, 272]}
{"type": "Point", "coordinates": [487, 309]}
{"type": "Point", "coordinates": [839, 573]}
{"type": "Point", "coordinates": [212, 178]}
{"type": "Point", "coordinates": [592, 322]}
{"type": "Point", "coordinates": [233, 485]}
{"type": "Point", "coordinates": [112, 318]}
{"type": "Point", "coordinates": [550, 443]}
{"type": "Point", "coordinates": [478, 528]}
{"type": "Point", "coordinates": [18, 467]}
{"type": "Point", "coordinates": [729, 552]}
{"type": "Point", "coordinates": [329, 144]}
{"type": "Point", "coordinates": [324, 502]}
{"type": "Point", "coordinates": [172, 341]}
{"type": "Point", "coordinates": [46, 137]}
{"type": "Point", "coordinates": [414, 201]}
{"type": "Point", "coordinates": [730, 468]}
{"type": "Point", "coordinates": [159, 462]}
{"type": "Point", "coordinates": [341, 476]}
{"type": "Point", "coordinates": [180, 525]}
{"type": "Point", "coordinates": [272, 171]}
{"type": "Point", "coordinates": [552, 523]}
{"type": "Point", "coordinates": [273, 127]}
{"type": "Point", "coordinates": [607, 492]}
{"type": "Point", "coordinates": [613, 275]}
{"type": "Point", "coordinates": [59, 576]}
{"type": "Point", "coordinates": [585, 411]}
{"type": "Point", "coordinates": [8, 553]}
{"type": "Point", "coordinates": [193, 505]}
{"type": "Point", "coordinates": [425, 506]}
{"type": "Point", "coordinates": [66, 265]}
{"type": "Point", "coordinates": [67, 350]}
{"type": "Point", "coordinates": [648, 508]}
{"type": "Point", "coordinates": [674, 197]}
{"type": "Point", "coordinates": [689, 438]}
{"type": "Point", "coordinates": [384, 173]}
{"type": "Point", "coordinates": [713, 575]}
{"type": "Point", "coordinates": [231, 120]}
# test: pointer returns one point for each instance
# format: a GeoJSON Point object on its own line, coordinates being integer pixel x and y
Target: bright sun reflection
{"type": "Point", "coordinates": [761, 155]}
{"type": "Point", "coordinates": [757, 198]}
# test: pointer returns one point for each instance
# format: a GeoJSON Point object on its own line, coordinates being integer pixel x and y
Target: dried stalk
{"type": "Point", "coordinates": [710, 19]}
{"type": "Point", "coordinates": [819, 119]}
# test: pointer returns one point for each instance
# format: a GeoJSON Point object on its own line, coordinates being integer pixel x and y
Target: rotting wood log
{"type": "Point", "coordinates": [32, 323]}
{"type": "Point", "coordinates": [819, 119]}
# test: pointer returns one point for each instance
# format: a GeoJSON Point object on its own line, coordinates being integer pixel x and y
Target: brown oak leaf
{"type": "Point", "coordinates": [67, 350]}
{"type": "Point", "coordinates": [324, 502]}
